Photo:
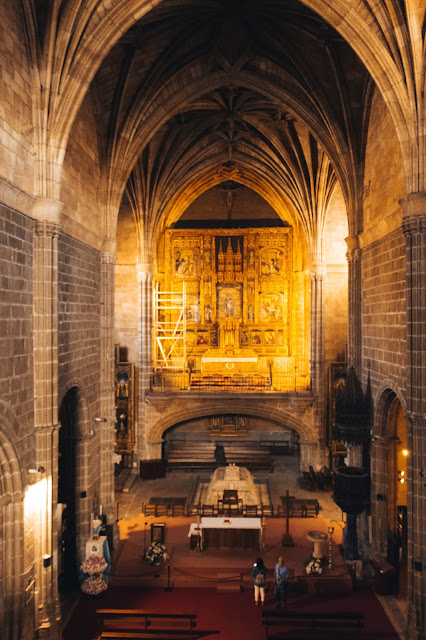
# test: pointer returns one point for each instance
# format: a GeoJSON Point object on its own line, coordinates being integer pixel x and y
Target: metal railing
{"type": "Point", "coordinates": [175, 381]}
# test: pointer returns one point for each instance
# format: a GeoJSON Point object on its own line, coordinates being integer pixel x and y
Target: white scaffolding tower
{"type": "Point", "coordinates": [169, 329]}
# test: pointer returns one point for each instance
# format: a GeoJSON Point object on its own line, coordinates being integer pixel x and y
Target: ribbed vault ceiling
{"type": "Point", "coordinates": [264, 93]}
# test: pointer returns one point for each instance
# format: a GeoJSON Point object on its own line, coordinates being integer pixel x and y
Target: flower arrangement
{"type": "Point", "coordinates": [314, 567]}
{"type": "Point", "coordinates": [156, 553]}
{"type": "Point", "coordinates": [94, 585]}
{"type": "Point", "coordinates": [93, 564]}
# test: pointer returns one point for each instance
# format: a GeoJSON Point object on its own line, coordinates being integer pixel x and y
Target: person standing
{"type": "Point", "coordinates": [259, 572]}
{"type": "Point", "coordinates": [282, 574]}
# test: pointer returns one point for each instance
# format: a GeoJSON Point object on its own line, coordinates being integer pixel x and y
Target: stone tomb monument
{"type": "Point", "coordinates": [232, 478]}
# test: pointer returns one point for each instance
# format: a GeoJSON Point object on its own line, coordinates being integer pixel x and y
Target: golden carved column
{"type": "Point", "coordinates": [47, 213]}
{"type": "Point", "coordinates": [414, 227]}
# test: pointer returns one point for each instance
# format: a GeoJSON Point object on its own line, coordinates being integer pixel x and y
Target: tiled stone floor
{"type": "Point", "coordinates": [284, 476]}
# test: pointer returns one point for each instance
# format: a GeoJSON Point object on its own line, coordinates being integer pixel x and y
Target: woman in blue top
{"type": "Point", "coordinates": [259, 572]}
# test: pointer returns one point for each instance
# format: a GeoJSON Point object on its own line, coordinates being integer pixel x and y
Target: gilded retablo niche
{"type": "Point", "coordinates": [239, 300]}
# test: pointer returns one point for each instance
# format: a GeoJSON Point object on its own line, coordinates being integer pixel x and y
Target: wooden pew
{"type": "Point", "coordinates": [147, 619]}
{"type": "Point", "coordinates": [192, 455]}
{"type": "Point", "coordinates": [121, 624]}
{"type": "Point", "coordinates": [282, 624]}
{"type": "Point", "coordinates": [155, 634]}
{"type": "Point", "coordinates": [249, 455]}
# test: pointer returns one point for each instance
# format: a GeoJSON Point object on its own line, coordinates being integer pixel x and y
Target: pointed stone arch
{"type": "Point", "coordinates": [372, 40]}
{"type": "Point", "coordinates": [389, 410]}
{"type": "Point", "coordinates": [11, 531]}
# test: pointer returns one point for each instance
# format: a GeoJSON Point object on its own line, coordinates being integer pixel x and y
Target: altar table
{"type": "Point", "coordinates": [226, 533]}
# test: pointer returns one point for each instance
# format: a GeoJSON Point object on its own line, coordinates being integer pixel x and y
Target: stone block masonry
{"type": "Point", "coordinates": [16, 294]}
{"type": "Point", "coordinates": [384, 310]}
{"type": "Point", "coordinates": [79, 284]}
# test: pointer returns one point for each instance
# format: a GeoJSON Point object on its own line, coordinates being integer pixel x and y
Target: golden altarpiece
{"type": "Point", "coordinates": [245, 316]}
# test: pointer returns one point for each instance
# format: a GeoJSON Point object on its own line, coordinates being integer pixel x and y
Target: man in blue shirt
{"type": "Point", "coordinates": [282, 574]}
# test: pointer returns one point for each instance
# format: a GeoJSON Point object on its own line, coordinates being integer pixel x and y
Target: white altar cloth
{"type": "Point", "coordinates": [224, 523]}
{"type": "Point", "coordinates": [196, 529]}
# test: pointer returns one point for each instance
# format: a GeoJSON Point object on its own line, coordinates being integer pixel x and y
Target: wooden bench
{"type": "Point", "coordinates": [123, 624]}
{"type": "Point", "coordinates": [249, 455]}
{"type": "Point", "coordinates": [192, 455]}
{"type": "Point", "coordinates": [282, 624]}
{"type": "Point", "coordinates": [156, 634]}
{"type": "Point", "coordinates": [145, 619]}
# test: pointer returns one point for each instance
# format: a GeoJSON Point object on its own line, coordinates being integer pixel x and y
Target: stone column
{"type": "Point", "coordinates": [107, 400]}
{"type": "Point", "coordinates": [414, 227]}
{"type": "Point", "coordinates": [354, 302]}
{"type": "Point", "coordinates": [317, 348]}
{"type": "Point", "coordinates": [145, 294]}
{"type": "Point", "coordinates": [47, 214]}
{"type": "Point", "coordinates": [299, 345]}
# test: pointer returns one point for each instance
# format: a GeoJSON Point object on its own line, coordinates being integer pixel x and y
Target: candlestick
{"type": "Point", "coordinates": [330, 540]}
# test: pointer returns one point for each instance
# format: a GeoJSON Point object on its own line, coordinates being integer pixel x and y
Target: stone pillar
{"type": "Point", "coordinates": [47, 214]}
{"type": "Point", "coordinates": [414, 227]}
{"type": "Point", "coordinates": [107, 400]}
{"type": "Point", "coordinates": [354, 302]}
{"type": "Point", "coordinates": [317, 347]}
{"type": "Point", "coordinates": [300, 337]}
{"type": "Point", "coordinates": [145, 295]}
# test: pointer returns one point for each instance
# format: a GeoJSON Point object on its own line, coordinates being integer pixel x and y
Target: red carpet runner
{"type": "Point", "coordinates": [234, 614]}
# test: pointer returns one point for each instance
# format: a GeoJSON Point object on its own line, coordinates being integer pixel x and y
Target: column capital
{"type": "Point", "coordinates": [354, 255]}
{"type": "Point", "coordinates": [353, 243]}
{"type": "Point", "coordinates": [318, 270]}
{"type": "Point", "coordinates": [143, 269]}
{"type": "Point", "coordinates": [414, 204]}
{"type": "Point", "coordinates": [414, 224]}
{"type": "Point", "coordinates": [48, 210]}
{"type": "Point", "coordinates": [109, 246]}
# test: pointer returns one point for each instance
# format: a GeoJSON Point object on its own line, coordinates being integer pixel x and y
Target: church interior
{"type": "Point", "coordinates": [213, 275]}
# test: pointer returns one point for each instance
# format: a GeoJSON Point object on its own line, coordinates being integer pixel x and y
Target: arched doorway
{"type": "Point", "coordinates": [67, 476]}
{"type": "Point", "coordinates": [398, 454]}
{"type": "Point", "coordinates": [14, 622]}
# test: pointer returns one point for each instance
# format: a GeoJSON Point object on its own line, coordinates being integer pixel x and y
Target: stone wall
{"type": "Point", "coordinates": [81, 190]}
{"type": "Point", "coordinates": [79, 321]}
{"type": "Point", "coordinates": [16, 117]}
{"type": "Point", "coordinates": [336, 284]}
{"type": "Point", "coordinates": [384, 319]}
{"type": "Point", "coordinates": [16, 313]}
{"type": "Point", "coordinates": [384, 182]}
{"type": "Point", "coordinates": [126, 286]}
{"type": "Point", "coordinates": [383, 244]}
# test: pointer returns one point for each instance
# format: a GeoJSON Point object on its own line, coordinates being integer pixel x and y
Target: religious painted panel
{"type": "Point", "coordinates": [271, 307]}
{"type": "Point", "coordinates": [229, 302]}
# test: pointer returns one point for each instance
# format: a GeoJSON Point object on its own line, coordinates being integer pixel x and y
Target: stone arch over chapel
{"type": "Point", "coordinates": [262, 409]}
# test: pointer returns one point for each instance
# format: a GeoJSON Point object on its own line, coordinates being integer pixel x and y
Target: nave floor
{"type": "Point", "coordinates": [225, 573]}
